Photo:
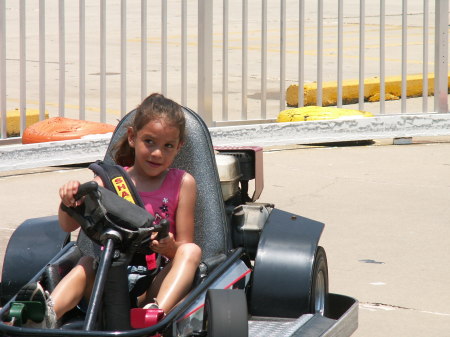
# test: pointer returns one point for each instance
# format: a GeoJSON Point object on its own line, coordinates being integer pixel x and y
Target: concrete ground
{"type": "Point", "coordinates": [386, 214]}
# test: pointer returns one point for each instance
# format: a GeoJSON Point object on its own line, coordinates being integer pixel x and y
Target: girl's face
{"type": "Point", "coordinates": [155, 145]}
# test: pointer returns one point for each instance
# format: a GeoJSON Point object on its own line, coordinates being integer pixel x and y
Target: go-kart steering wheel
{"type": "Point", "coordinates": [104, 215]}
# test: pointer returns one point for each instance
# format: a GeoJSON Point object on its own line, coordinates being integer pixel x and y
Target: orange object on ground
{"type": "Point", "coordinates": [61, 128]}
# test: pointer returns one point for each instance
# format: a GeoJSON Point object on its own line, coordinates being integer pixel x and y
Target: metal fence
{"type": "Point", "coordinates": [231, 60]}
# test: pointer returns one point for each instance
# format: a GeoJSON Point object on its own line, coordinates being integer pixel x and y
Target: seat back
{"type": "Point", "coordinates": [197, 158]}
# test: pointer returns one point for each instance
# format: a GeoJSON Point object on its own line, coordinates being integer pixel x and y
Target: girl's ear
{"type": "Point", "coordinates": [131, 136]}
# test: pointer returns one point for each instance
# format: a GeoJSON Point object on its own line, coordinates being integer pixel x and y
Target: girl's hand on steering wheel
{"type": "Point", "coordinates": [165, 246]}
{"type": "Point", "coordinates": [67, 193]}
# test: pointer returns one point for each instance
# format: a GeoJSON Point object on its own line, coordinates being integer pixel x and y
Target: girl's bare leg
{"type": "Point", "coordinates": [175, 280]}
{"type": "Point", "coordinates": [76, 284]}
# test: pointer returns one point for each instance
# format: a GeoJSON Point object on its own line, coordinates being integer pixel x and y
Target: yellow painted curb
{"type": "Point", "coordinates": [13, 120]}
{"type": "Point", "coordinates": [316, 113]}
{"type": "Point", "coordinates": [350, 90]}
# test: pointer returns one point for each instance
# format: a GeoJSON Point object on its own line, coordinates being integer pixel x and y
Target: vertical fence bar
{"type": "Point", "coordinates": [244, 59]}
{"type": "Point", "coordinates": [184, 52]}
{"type": "Point", "coordinates": [23, 67]}
{"type": "Point", "coordinates": [205, 31]}
{"type": "Point", "coordinates": [41, 59]}
{"type": "Point", "coordinates": [283, 55]}
{"type": "Point", "coordinates": [103, 61]}
{"type": "Point", "coordinates": [425, 57]}
{"type": "Point", "coordinates": [62, 59]}
{"type": "Point", "coordinates": [382, 56]}
{"type": "Point", "coordinates": [441, 57]}
{"type": "Point", "coordinates": [143, 49]}
{"type": "Point", "coordinates": [362, 22]}
{"type": "Point", "coordinates": [225, 61]}
{"type": "Point", "coordinates": [164, 47]}
{"type": "Point", "coordinates": [264, 59]}
{"type": "Point", "coordinates": [404, 53]}
{"type": "Point", "coordinates": [123, 57]}
{"type": "Point", "coordinates": [301, 54]}
{"type": "Point", "coordinates": [82, 59]}
{"type": "Point", "coordinates": [3, 69]}
{"type": "Point", "coordinates": [340, 52]}
{"type": "Point", "coordinates": [319, 51]}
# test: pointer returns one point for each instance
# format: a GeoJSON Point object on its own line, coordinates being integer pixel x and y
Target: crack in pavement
{"type": "Point", "coordinates": [387, 307]}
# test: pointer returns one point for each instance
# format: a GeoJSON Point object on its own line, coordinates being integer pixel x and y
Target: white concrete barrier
{"type": "Point", "coordinates": [19, 156]}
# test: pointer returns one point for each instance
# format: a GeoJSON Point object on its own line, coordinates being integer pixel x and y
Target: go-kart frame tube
{"type": "Point", "coordinates": [7, 330]}
{"type": "Point", "coordinates": [99, 284]}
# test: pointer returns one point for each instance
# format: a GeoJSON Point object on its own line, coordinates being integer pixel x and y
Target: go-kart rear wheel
{"type": "Point", "coordinates": [282, 279]}
{"type": "Point", "coordinates": [225, 313]}
{"type": "Point", "coordinates": [319, 287]}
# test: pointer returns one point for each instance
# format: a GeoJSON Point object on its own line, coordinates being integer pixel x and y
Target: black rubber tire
{"type": "Point", "coordinates": [319, 285]}
{"type": "Point", "coordinates": [32, 245]}
{"type": "Point", "coordinates": [225, 313]}
{"type": "Point", "coordinates": [283, 269]}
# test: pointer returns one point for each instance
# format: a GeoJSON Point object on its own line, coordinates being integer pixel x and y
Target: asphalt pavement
{"type": "Point", "coordinates": [386, 212]}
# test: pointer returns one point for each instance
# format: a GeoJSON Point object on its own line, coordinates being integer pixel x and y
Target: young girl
{"type": "Point", "coordinates": [146, 151]}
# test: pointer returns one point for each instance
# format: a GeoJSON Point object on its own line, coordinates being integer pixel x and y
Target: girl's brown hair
{"type": "Point", "coordinates": [155, 106]}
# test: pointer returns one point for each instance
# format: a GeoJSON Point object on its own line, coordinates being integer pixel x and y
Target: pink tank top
{"type": "Point", "coordinates": [163, 203]}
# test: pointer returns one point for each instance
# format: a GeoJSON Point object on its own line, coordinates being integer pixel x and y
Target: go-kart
{"type": "Point", "coordinates": [262, 272]}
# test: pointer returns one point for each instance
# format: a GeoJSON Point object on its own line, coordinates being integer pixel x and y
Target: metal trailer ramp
{"type": "Point", "coordinates": [344, 311]}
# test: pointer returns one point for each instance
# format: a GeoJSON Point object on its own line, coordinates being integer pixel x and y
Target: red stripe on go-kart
{"type": "Point", "coordinates": [238, 279]}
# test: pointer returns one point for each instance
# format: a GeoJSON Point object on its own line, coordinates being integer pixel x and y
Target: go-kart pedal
{"type": "Point", "coordinates": [33, 307]}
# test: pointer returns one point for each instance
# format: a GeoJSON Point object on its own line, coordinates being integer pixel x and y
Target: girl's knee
{"type": "Point", "coordinates": [190, 252]}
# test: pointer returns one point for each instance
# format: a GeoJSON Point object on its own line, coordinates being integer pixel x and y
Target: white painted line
{"type": "Point", "coordinates": [377, 284]}
{"type": "Point", "coordinates": [390, 307]}
{"type": "Point", "coordinates": [435, 313]}
{"type": "Point", "coordinates": [375, 307]}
